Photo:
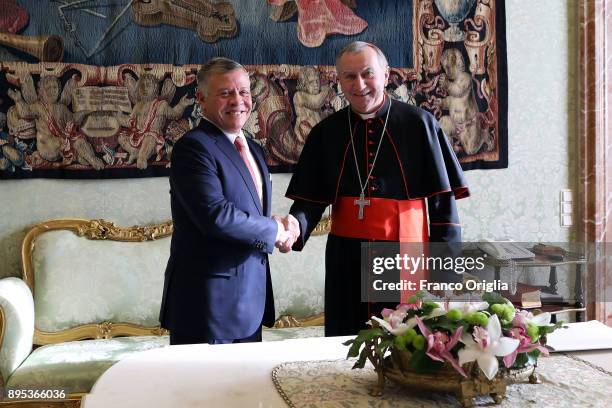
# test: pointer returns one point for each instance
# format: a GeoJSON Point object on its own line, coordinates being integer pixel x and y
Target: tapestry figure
{"type": "Point", "coordinates": [143, 135]}
{"type": "Point", "coordinates": [462, 124]}
{"type": "Point", "coordinates": [57, 134]}
{"type": "Point", "coordinates": [275, 117]}
{"type": "Point", "coordinates": [11, 151]}
{"type": "Point", "coordinates": [309, 102]}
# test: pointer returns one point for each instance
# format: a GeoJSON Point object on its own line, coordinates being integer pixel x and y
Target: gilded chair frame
{"type": "Point", "coordinates": [1, 341]}
{"type": "Point", "coordinates": [95, 230]}
{"type": "Point", "coordinates": [100, 229]}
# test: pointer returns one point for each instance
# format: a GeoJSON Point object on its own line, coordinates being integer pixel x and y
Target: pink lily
{"type": "Point", "coordinates": [522, 317]}
{"type": "Point", "coordinates": [393, 321]}
{"type": "Point", "coordinates": [439, 345]}
{"type": "Point", "coordinates": [525, 345]}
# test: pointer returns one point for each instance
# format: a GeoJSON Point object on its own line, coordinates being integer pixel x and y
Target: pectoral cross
{"type": "Point", "coordinates": [361, 202]}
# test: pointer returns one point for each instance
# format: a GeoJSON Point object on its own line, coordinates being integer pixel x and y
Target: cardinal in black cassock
{"type": "Point", "coordinates": [390, 175]}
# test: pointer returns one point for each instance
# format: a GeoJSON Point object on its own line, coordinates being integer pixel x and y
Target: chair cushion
{"type": "Point", "coordinates": [298, 282]}
{"type": "Point", "coordinates": [76, 365]}
{"type": "Point", "coordinates": [293, 333]}
{"type": "Point", "coordinates": [79, 281]}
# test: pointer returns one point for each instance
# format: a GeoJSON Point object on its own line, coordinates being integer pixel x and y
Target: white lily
{"type": "Point", "coordinates": [438, 311]}
{"type": "Point", "coordinates": [399, 328]}
{"type": "Point", "coordinates": [489, 345]}
{"type": "Point", "coordinates": [466, 307]}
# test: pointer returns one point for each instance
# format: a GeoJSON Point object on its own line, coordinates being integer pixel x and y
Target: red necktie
{"type": "Point", "coordinates": [243, 154]}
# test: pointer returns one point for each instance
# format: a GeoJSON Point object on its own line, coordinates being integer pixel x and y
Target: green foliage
{"type": "Point", "coordinates": [362, 337]}
{"type": "Point", "coordinates": [418, 342]}
{"type": "Point", "coordinates": [533, 331]}
{"type": "Point", "coordinates": [416, 297]}
{"type": "Point", "coordinates": [443, 322]}
{"type": "Point", "coordinates": [403, 341]}
{"type": "Point", "coordinates": [382, 342]}
{"type": "Point", "coordinates": [427, 307]}
{"type": "Point", "coordinates": [454, 315]}
{"type": "Point", "coordinates": [492, 298]}
{"type": "Point", "coordinates": [358, 347]}
{"type": "Point", "coordinates": [477, 319]}
{"type": "Point", "coordinates": [421, 363]}
{"type": "Point", "coordinates": [526, 359]}
{"type": "Point", "coordinates": [383, 347]}
{"type": "Point", "coordinates": [521, 360]}
{"type": "Point", "coordinates": [542, 330]}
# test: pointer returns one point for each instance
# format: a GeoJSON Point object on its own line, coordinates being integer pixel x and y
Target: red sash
{"type": "Point", "coordinates": [384, 219]}
{"type": "Point", "coordinates": [403, 221]}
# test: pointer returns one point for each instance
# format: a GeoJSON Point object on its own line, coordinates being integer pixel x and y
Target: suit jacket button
{"type": "Point", "coordinates": [263, 261]}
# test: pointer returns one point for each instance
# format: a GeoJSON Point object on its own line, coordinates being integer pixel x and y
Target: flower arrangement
{"type": "Point", "coordinates": [431, 335]}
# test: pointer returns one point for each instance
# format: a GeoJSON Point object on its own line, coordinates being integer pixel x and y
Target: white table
{"type": "Point", "coordinates": [231, 375]}
{"type": "Point", "coordinates": [226, 375]}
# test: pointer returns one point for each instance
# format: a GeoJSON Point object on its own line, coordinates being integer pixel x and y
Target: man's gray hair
{"type": "Point", "coordinates": [357, 46]}
{"type": "Point", "coordinates": [216, 66]}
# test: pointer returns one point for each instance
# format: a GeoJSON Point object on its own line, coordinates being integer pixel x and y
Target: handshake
{"type": "Point", "coordinates": [288, 232]}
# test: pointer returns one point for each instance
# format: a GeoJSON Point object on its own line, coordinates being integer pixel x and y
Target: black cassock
{"type": "Point", "coordinates": [414, 162]}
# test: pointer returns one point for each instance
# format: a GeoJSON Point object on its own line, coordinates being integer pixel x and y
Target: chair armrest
{"type": "Point", "coordinates": [16, 325]}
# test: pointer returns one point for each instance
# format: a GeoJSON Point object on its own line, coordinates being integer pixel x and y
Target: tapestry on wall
{"type": "Point", "coordinates": [103, 89]}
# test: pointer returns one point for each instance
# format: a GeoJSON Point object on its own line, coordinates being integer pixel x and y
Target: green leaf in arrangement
{"type": "Point", "coordinates": [416, 297]}
{"type": "Point", "coordinates": [354, 349]}
{"type": "Point", "coordinates": [542, 330]}
{"type": "Point", "coordinates": [360, 363]}
{"type": "Point", "coordinates": [492, 298]}
{"type": "Point", "coordinates": [427, 307]}
{"type": "Point", "coordinates": [521, 360]}
{"type": "Point", "coordinates": [421, 363]}
{"type": "Point", "coordinates": [382, 348]}
{"type": "Point", "coordinates": [444, 323]}
{"type": "Point", "coordinates": [362, 337]}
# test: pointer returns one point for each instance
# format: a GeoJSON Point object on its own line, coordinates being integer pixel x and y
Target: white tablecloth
{"type": "Point", "coordinates": [228, 375]}
{"type": "Point", "coordinates": [232, 375]}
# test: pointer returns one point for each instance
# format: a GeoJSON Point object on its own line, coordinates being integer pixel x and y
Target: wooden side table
{"type": "Point", "coordinates": [552, 288]}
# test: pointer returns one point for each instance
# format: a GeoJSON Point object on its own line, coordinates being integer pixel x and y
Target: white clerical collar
{"type": "Point", "coordinates": [365, 116]}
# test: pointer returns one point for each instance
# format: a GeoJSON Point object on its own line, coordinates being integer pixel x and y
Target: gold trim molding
{"type": "Point", "coordinates": [101, 229]}
{"type": "Point", "coordinates": [95, 230]}
{"type": "Point", "coordinates": [323, 227]}
{"type": "Point", "coordinates": [104, 330]}
{"type": "Point", "coordinates": [2, 323]}
{"type": "Point", "coordinates": [71, 402]}
{"type": "Point", "coordinates": [289, 321]}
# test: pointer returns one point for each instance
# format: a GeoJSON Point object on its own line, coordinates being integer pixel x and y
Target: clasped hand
{"type": "Point", "coordinates": [288, 232]}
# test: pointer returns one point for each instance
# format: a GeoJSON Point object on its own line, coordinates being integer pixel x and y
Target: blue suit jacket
{"type": "Point", "coordinates": [218, 277]}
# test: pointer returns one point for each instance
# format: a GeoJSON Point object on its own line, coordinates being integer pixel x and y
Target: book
{"type": "Point", "coordinates": [530, 300]}
{"type": "Point", "coordinates": [529, 296]}
{"type": "Point", "coordinates": [591, 335]}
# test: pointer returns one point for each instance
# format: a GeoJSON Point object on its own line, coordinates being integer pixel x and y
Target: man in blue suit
{"type": "Point", "coordinates": [217, 285]}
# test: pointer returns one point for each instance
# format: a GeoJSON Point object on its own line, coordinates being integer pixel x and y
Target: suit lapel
{"type": "Point", "coordinates": [232, 154]}
{"type": "Point", "coordinates": [265, 175]}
